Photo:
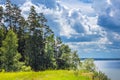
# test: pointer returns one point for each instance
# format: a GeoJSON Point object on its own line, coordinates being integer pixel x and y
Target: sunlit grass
{"type": "Point", "coordinates": [43, 75]}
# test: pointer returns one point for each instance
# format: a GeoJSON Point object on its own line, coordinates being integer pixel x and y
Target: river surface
{"type": "Point", "coordinates": [110, 68]}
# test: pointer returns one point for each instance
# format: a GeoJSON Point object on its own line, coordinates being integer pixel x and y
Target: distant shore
{"type": "Point", "coordinates": [102, 58]}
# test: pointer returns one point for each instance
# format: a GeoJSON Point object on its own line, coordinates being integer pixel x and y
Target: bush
{"type": "Point", "coordinates": [25, 68]}
{"type": "Point", "coordinates": [100, 76]}
{"type": "Point", "coordinates": [89, 65]}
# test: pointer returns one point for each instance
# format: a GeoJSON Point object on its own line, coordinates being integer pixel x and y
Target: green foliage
{"type": "Point", "coordinates": [63, 60]}
{"type": "Point", "coordinates": [100, 76]}
{"type": "Point", "coordinates": [75, 61]}
{"type": "Point", "coordinates": [49, 52]}
{"type": "Point", "coordinates": [35, 51]}
{"type": "Point", "coordinates": [89, 65]}
{"type": "Point", "coordinates": [1, 36]}
{"type": "Point", "coordinates": [25, 68]}
{"type": "Point", "coordinates": [10, 55]}
{"type": "Point", "coordinates": [1, 16]}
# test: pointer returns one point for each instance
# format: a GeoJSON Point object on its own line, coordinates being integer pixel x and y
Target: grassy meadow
{"type": "Point", "coordinates": [44, 75]}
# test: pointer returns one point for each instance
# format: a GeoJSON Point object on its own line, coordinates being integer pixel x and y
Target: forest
{"type": "Point", "coordinates": [31, 43]}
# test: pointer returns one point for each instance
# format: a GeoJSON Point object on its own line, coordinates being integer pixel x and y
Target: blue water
{"type": "Point", "coordinates": [110, 68]}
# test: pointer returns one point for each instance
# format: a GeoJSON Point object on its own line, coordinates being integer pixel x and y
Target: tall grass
{"type": "Point", "coordinates": [43, 75]}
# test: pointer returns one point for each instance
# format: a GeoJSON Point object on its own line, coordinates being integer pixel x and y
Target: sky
{"type": "Point", "coordinates": [92, 27]}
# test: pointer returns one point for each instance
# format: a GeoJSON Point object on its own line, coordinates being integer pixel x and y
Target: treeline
{"type": "Point", "coordinates": [30, 43]}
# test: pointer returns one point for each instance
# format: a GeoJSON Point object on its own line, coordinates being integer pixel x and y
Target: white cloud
{"type": "Point", "coordinates": [85, 8]}
{"type": "Point", "coordinates": [108, 9]}
{"type": "Point", "coordinates": [57, 15]}
{"type": "Point", "coordinates": [77, 20]}
{"type": "Point", "coordinates": [26, 8]}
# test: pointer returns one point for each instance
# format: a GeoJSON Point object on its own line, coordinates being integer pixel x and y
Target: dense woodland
{"type": "Point", "coordinates": [30, 43]}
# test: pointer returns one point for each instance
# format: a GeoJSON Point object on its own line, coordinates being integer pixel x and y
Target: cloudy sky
{"type": "Point", "coordinates": [92, 27]}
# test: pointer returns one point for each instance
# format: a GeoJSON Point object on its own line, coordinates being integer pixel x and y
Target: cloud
{"type": "Point", "coordinates": [57, 17]}
{"type": "Point", "coordinates": [47, 3]}
{"type": "Point", "coordinates": [86, 1]}
{"type": "Point", "coordinates": [108, 12]}
{"type": "Point", "coordinates": [83, 7]}
{"type": "Point", "coordinates": [90, 26]}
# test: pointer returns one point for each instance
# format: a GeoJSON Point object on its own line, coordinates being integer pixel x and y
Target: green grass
{"type": "Point", "coordinates": [43, 75]}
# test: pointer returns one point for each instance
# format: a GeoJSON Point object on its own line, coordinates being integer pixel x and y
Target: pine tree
{"type": "Point", "coordinates": [1, 16]}
{"type": "Point", "coordinates": [9, 52]}
{"type": "Point", "coordinates": [33, 19]}
{"type": "Point", "coordinates": [38, 32]}
{"type": "Point", "coordinates": [22, 37]}
{"type": "Point", "coordinates": [12, 16]}
{"type": "Point", "coordinates": [8, 14]}
{"type": "Point", "coordinates": [34, 51]}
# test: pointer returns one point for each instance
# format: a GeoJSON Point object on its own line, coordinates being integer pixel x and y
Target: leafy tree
{"type": "Point", "coordinates": [75, 63]}
{"type": "Point", "coordinates": [1, 36]}
{"type": "Point", "coordinates": [89, 65]}
{"type": "Point", "coordinates": [49, 52]}
{"type": "Point", "coordinates": [100, 76]}
{"type": "Point", "coordinates": [63, 60]}
{"type": "Point", "coordinates": [9, 52]}
{"type": "Point", "coordinates": [1, 39]}
{"type": "Point", "coordinates": [57, 44]}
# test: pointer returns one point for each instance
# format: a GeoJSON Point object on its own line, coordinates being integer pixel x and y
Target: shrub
{"type": "Point", "coordinates": [25, 68]}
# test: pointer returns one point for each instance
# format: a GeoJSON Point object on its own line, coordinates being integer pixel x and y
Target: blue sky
{"type": "Point", "coordinates": [92, 27]}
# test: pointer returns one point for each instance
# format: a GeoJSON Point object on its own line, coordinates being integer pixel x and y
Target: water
{"type": "Point", "coordinates": [110, 68]}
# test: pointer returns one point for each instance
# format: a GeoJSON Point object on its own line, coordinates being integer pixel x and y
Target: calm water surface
{"type": "Point", "coordinates": [110, 68]}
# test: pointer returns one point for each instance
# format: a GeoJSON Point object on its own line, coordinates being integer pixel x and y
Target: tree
{"type": "Point", "coordinates": [9, 52]}
{"type": "Point", "coordinates": [49, 52]}
{"type": "Point", "coordinates": [22, 35]}
{"type": "Point", "coordinates": [8, 14]}
{"type": "Point", "coordinates": [1, 39]}
{"type": "Point", "coordinates": [30, 41]}
{"type": "Point", "coordinates": [12, 16]}
{"type": "Point", "coordinates": [100, 76]}
{"type": "Point", "coordinates": [64, 57]}
{"type": "Point", "coordinates": [1, 16]}
{"type": "Point", "coordinates": [33, 19]}
{"type": "Point", "coordinates": [34, 51]}
{"type": "Point", "coordinates": [75, 63]}
{"type": "Point", "coordinates": [89, 65]}
{"type": "Point", "coordinates": [38, 32]}
{"type": "Point", "coordinates": [1, 36]}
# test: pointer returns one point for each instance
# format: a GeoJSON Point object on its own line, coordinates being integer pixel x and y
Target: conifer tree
{"type": "Point", "coordinates": [1, 16]}
{"type": "Point", "coordinates": [12, 16]}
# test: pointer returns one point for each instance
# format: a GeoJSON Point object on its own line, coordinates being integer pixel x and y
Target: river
{"type": "Point", "coordinates": [110, 67]}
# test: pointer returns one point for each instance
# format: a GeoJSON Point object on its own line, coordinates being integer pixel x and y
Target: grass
{"type": "Point", "coordinates": [43, 75]}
